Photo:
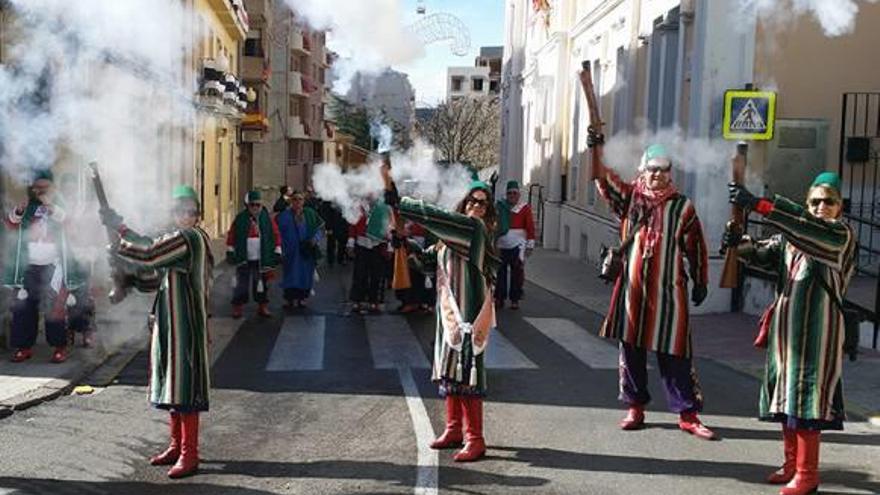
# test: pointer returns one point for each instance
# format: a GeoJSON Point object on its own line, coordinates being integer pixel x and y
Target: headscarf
{"type": "Point", "coordinates": [647, 205]}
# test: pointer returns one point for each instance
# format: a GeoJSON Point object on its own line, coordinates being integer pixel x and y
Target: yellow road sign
{"type": "Point", "coordinates": [749, 115]}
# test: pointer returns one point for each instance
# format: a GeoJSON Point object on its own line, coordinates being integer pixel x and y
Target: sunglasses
{"type": "Point", "coordinates": [190, 212]}
{"type": "Point", "coordinates": [255, 205]}
{"type": "Point", "coordinates": [478, 202]}
{"type": "Point", "coordinates": [656, 169]}
{"type": "Point", "coordinates": [815, 202]}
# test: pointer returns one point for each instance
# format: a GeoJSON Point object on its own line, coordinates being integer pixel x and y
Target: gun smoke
{"type": "Point", "coordinates": [836, 17]}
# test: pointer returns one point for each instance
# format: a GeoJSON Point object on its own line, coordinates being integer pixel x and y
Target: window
{"type": "Point", "coordinates": [294, 106]}
{"type": "Point", "coordinates": [457, 82]}
{"type": "Point", "coordinates": [477, 84]}
{"type": "Point", "coordinates": [493, 86]}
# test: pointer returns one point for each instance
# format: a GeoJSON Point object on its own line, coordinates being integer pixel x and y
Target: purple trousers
{"type": "Point", "coordinates": [679, 378]}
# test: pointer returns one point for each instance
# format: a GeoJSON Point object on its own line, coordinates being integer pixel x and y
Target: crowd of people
{"type": "Point", "coordinates": [465, 265]}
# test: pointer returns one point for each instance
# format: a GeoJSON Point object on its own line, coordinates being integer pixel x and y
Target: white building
{"type": "Point", "coordinates": [467, 81]}
{"type": "Point", "coordinates": [388, 93]}
{"type": "Point", "coordinates": [661, 64]}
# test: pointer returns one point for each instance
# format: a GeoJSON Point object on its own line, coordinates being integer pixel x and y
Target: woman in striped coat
{"type": "Point", "coordinates": [802, 381]}
{"type": "Point", "coordinates": [649, 304]}
{"type": "Point", "coordinates": [466, 267]}
{"type": "Point", "coordinates": [179, 361]}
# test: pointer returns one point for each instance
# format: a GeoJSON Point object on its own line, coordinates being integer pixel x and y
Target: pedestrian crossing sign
{"type": "Point", "coordinates": [749, 115]}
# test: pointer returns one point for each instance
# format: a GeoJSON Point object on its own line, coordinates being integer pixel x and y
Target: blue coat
{"type": "Point", "coordinates": [299, 266]}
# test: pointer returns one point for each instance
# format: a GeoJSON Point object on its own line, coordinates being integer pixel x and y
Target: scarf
{"type": "Point", "coordinates": [648, 203]}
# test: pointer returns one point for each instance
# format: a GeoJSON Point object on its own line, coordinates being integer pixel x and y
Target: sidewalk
{"type": "Point", "coordinates": [722, 337]}
{"type": "Point", "coordinates": [121, 332]}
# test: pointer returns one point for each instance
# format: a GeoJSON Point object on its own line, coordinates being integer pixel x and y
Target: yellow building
{"type": "Point", "coordinates": [219, 28]}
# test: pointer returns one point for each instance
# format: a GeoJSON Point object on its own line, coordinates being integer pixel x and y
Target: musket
{"type": "Point", "coordinates": [596, 125]}
{"type": "Point", "coordinates": [736, 224]}
{"type": "Point", "coordinates": [122, 281]}
{"type": "Point", "coordinates": [400, 280]}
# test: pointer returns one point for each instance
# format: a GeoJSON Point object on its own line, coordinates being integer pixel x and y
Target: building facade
{"type": "Point", "coordinates": [660, 65]}
{"type": "Point", "coordinates": [390, 97]}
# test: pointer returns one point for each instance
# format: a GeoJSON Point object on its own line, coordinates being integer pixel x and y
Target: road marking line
{"type": "Point", "coordinates": [589, 349]}
{"type": "Point", "coordinates": [393, 344]}
{"type": "Point", "coordinates": [428, 463]}
{"type": "Point", "coordinates": [501, 354]}
{"type": "Point", "coordinates": [299, 345]}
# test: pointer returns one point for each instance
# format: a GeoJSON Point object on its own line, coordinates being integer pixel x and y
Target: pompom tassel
{"type": "Point", "coordinates": [428, 284]}
{"type": "Point", "coordinates": [22, 294]}
{"type": "Point", "coordinates": [260, 287]}
{"type": "Point", "coordinates": [473, 380]}
{"type": "Point", "coordinates": [71, 300]}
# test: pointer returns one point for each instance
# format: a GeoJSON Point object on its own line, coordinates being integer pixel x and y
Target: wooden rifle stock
{"type": "Point", "coordinates": [736, 224]}
{"type": "Point", "coordinates": [596, 125]}
{"type": "Point", "coordinates": [121, 281]}
{"type": "Point", "coordinates": [400, 280]}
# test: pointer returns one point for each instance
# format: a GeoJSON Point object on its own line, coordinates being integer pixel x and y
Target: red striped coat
{"type": "Point", "coordinates": [649, 304]}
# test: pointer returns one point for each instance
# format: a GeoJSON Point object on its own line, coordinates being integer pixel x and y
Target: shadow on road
{"type": "Point", "coordinates": [399, 474]}
{"type": "Point", "coordinates": [28, 486]}
{"type": "Point", "coordinates": [742, 471]}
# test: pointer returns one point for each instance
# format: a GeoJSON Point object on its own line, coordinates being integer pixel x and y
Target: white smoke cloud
{"type": "Point", "coordinates": [414, 171]}
{"type": "Point", "coordinates": [369, 35]}
{"type": "Point", "coordinates": [98, 80]}
{"type": "Point", "coordinates": [837, 17]}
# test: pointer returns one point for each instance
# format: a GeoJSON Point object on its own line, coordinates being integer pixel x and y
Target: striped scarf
{"type": "Point", "coordinates": [648, 203]}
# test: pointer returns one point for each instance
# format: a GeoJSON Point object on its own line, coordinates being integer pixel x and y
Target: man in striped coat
{"type": "Point", "coordinates": [179, 363]}
{"type": "Point", "coordinates": [814, 255]}
{"type": "Point", "coordinates": [649, 304]}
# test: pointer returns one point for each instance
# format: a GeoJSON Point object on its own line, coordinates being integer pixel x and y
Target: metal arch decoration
{"type": "Point", "coordinates": [443, 27]}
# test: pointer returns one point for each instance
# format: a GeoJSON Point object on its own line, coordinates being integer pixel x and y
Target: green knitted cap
{"type": "Point", "coordinates": [44, 174]}
{"type": "Point", "coordinates": [253, 196]}
{"type": "Point", "coordinates": [184, 192]}
{"type": "Point", "coordinates": [512, 184]}
{"type": "Point", "coordinates": [655, 152]}
{"type": "Point", "coordinates": [478, 184]}
{"type": "Point", "coordinates": [830, 179]}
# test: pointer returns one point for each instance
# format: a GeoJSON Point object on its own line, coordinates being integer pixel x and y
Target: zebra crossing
{"type": "Point", "coordinates": [301, 344]}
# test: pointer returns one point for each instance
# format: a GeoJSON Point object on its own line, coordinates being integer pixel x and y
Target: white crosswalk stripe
{"type": "Point", "coordinates": [393, 344]}
{"type": "Point", "coordinates": [300, 345]}
{"type": "Point", "coordinates": [501, 354]}
{"type": "Point", "coordinates": [589, 349]}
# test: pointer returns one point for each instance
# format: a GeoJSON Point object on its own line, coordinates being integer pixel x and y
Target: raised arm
{"type": "Point", "coordinates": [455, 229]}
{"type": "Point", "coordinates": [154, 253]}
{"type": "Point", "coordinates": [830, 243]}
{"type": "Point", "coordinates": [613, 189]}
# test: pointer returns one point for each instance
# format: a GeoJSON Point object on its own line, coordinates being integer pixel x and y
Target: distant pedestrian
{"type": "Point", "coordinates": [660, 231]}
{"type": "Point", "coordinates": [336, 229]}
{"type": "Point", "coordinates": [803, 330]}
{"type": "Point", "coordinates": [41, 270]}
{"type": "Point", "coordinates": [179, 378]}
{"type": "Point", "coordinates": [253, 247]}
{"type": "Point", "coordinates": [516, 241]}
{"type": "Point", "coordinates": [367, 244]}
{"type": "Point", "coordinates": [466, 269]}
{"type": "Point", "coordinates": [301, 229]}
{"type": "Point", "coordinates": [283, 201]}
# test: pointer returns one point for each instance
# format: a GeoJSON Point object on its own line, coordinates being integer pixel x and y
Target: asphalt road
{"type": "Point", "coordinates": [319, 401]}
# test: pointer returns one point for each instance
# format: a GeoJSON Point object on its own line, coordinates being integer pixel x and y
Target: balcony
{"type": "Point", "coordinates": [296, 85]}
{"type": "Point", "coordinates": [259, 12]}
{"type": "Point", "coordinates": [296, 129]}
{"type": "Point", "coordinates": [298, 40]}
{"type": "Point", "coordinates": [254, 69]}
{"type": "Point", "coordinates": [233, 17]}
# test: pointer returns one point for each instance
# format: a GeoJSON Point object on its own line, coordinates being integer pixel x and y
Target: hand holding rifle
{"type": "Point", "coordinates": [113, 222]}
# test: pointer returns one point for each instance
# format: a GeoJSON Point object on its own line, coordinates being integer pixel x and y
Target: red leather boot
{"type": "Point", "coordinates": [806, 479]}
{"type": "Point", "coordinates": [634, 419]}
{"type": "Point", "coordinates": [474, 444]}
{"type": "Point", "coordinates": [188, 462]}
{"type": "Point", "coordinates": [237, 311]}
{"type": "Point", "coordinates": [786, 472]}
{"type": "Point", "coordinates": [263, 310]}
{"type": "Point", "coordinates": [690, 422]}
{"type": "Point", "coordinates": [170, 455]}
{"type": "Point", "coordinates": [451, 436]}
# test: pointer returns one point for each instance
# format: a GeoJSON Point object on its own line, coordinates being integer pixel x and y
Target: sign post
{"type": "Point", "coordinates": [749, 115]}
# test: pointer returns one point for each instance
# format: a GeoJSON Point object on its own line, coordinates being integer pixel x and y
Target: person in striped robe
{"type": "Point", "coordinates": [815, 253]}
{"type": "Point", "coordinates": [466, 268]}
{"type": "Point", "coordinates": [179, 361]}
{"type": "Point", "coordinates": [649, 305]}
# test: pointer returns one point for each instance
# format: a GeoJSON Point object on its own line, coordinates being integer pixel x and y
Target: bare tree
{"type": "Point", "coordinates": [465, 130]}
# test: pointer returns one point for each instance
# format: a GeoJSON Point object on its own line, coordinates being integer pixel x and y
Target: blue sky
{"type": "Point", "coordinates": [485, 21]}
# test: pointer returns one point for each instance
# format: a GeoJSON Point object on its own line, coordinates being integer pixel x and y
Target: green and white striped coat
{"type": "Point", "coordinates": [464, 254]}
{"type": "Point", "coordinates": [179, 359]}
{"type": "Point", "coordinates": [802, 378]}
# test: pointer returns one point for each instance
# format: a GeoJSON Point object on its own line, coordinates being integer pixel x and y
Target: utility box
{"type": "Point", "coordinates": [795, 156]}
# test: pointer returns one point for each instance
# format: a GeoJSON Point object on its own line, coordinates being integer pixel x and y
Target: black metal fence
{"type": "Point", "coordinates": [859, 167]}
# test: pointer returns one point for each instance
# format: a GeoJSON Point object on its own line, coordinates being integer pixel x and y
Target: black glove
{"type": "Point", "coordinates": [392, 198]}
{"type": "Point", "coordinates": [594, 138]}
{"type": "Point", "coordinates": [698, 294]}
{"type": "Point", "coordinates": [110, 218]}
{"type": "Point", "coordinates": [740, 196]}
{"type": "Point", "coordinates": [732, 236]}
{"type": "Point", "coordinates": [396, 240]}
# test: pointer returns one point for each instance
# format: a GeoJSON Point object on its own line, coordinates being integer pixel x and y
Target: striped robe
{"type": "Point", "coordinates": [464, 252]}
{"type": "Point", "coordinates": [179, 361]}
{"type": "Point", "coordinates": [802, 379]}
{"type": "Point", "coordinates": [649, 304]}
